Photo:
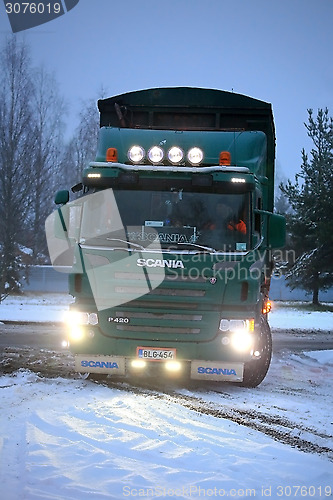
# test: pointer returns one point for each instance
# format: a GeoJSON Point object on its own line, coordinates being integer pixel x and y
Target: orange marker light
{"type": "Point", "coordinates": [112, 155]}
{"type": "Point", "coordinates": [267, 306]}
{"type": "Point", "coordinates": [251, 325]}
{"type": "Point", "coordinates": [225, 158]}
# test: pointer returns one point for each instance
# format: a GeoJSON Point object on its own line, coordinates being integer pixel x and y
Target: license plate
{"type": "Point", "coordinates": [155, 354]}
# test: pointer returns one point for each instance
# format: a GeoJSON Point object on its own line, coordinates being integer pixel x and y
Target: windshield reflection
{"type": "Point", "coordinates": [186, 220]}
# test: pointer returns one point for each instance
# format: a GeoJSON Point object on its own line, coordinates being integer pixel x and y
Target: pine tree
{"type": "Point", "coordinates": [311, 222]}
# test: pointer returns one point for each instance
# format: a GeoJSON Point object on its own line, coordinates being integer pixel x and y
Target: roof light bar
{"type": "Point", "coordinates": [195, 156]}
{"type": "Point", "coordinates": [136, 154]}
{"type": "Point", "coordinates": [175, 155]}
{"type": "Point", "coordinates": [155, 154]}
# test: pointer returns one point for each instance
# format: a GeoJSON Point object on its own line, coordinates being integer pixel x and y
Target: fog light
{"type": "Point", "coordinates": [225, 340]}
{"type": "Point", "coordinates": [173, 366]}
{"type": "Point", "coordinates": [138, 363]}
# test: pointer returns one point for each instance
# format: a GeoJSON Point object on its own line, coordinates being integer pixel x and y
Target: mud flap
{"type": "Point", "coordinates": [112, 365]}
{"type": "Point", "coordinates": [214, 370]}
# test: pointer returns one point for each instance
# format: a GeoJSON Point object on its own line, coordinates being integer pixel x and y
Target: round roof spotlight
{"type": "Point", "coordinates": [155, 154]}
{"type": "Point", "coordinates": [136, 154]}
{"type": "Point", "coordinates": [195, 156]}
{"type": "Point", "coordinates": [175, 154]}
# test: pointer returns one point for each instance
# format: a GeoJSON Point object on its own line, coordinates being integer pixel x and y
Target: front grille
{"type": "Point", "coordinates": [158, 316]}
{"type": "Point", "coordinates": [180, 308]}
{"type": "Point", "coordinates": [174, 285]}
{"type": "Point", "coordinates": [158, 329]}
{"type": "Point", "coordinates": [183, 278]}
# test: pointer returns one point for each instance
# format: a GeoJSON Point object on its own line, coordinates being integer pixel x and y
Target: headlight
{"type": "Point", "coordinates": [76, 333]}
{"type": "Point", "coordinates": [74, 318]}
{"type": "Point", "coordinates": [242, 340]}
{"type": "Point", "coordinates": [93, 319]}
{"type": "Point", "coordinates": [155, 154]}
{"type": "Point", "coordinates": [175, 154]}
{"type": "Point", "coordinates": [195, 156]}
{"type": "Point", "coordinates": [136, 154]}
{"type": "Point", "coordinates": [232, 325]}
{"type": "Point", "coordinates": [77, 318]}
{"type": "Point", "coordinates": [240, 333]}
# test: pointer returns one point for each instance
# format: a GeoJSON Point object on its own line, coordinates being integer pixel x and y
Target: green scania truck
{"type": "Point", "coordinates": [169, 244]}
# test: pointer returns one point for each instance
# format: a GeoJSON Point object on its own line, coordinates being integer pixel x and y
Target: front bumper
{"type": "Point", "coordinates": [119, 366]}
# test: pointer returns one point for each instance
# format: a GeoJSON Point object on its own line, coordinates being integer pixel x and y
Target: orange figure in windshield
{"type": "Point", "coordinates": [237, 226]}
{"type": "Point", "coordinates": [224, 217]}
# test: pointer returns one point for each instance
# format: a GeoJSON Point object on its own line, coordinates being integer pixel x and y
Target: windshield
{"type": "Point", "coordinates": [186, 220]}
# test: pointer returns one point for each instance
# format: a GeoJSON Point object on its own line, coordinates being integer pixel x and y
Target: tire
{"type": "Point", "coordinates": [255, 370]}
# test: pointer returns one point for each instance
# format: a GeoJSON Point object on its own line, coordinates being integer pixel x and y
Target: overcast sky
{"type": "Point", "coordinates": [279, 51]}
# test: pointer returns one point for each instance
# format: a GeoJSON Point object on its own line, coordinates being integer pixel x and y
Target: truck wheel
{"type": "Point", "coordinates": [256, 369]}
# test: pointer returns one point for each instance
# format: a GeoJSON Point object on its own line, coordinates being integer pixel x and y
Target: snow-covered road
{"type": "Point", "coordinates": [73, 439]}
{"type": "Point", "coordinates": [66, 438]}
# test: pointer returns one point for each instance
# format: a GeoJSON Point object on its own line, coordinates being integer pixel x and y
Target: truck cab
{"type": "Point", "coordinates": [169, 248]}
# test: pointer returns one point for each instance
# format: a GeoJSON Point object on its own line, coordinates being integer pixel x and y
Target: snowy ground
{"type": "Point", "coordinates": [73, 439]}
{"type": "Point", "coordinates": [50, 307]}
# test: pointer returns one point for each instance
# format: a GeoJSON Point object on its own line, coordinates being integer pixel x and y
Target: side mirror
{"type": "Point", "coordinates": [276, 231]}
{"type": "Point", "coordinates": [61, 197]}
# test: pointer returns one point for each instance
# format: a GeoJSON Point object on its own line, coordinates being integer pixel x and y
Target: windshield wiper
{"type": "Point", "coordinates": [207, 249]}
{"type": "Point", "coordinates": [127, 243]}
{"type": "Point", "coordinates": [99, 243]}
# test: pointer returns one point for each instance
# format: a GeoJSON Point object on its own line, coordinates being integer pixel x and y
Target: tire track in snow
{"type": "Point", "coordinates": [280, 429]}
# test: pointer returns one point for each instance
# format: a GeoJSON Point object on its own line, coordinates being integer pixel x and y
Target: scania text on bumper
{"type": "Point", "coordinates": [199, 369]}
{"type": "Point", "coordinates": [214, 370]}
{"type": "Point", "coordinates": [113, 365]}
